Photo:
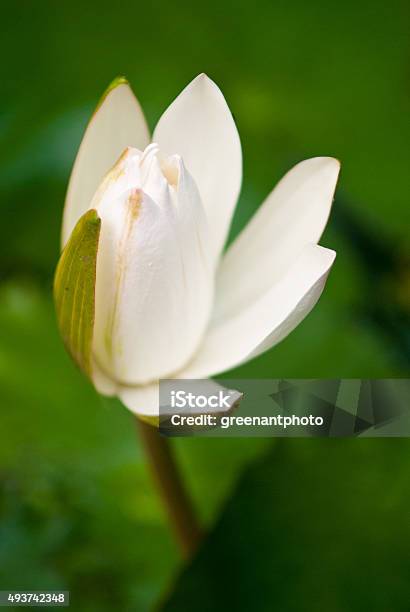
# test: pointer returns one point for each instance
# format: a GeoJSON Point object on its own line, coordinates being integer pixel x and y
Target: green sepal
{"type": "Point", "coordinates": [74, 289]}
{"type": "Point", "coordinates": [150, 420]}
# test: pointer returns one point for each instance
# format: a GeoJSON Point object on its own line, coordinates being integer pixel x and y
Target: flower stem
{"type": "Point", "coordinates": [171, 488]}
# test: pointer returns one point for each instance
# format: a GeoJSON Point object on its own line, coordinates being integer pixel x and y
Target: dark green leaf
{"type": "Point", "coordinates": [316, 525]}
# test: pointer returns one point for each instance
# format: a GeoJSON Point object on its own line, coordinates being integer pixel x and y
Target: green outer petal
{"type": "Point", "coordinates": [74, 289]}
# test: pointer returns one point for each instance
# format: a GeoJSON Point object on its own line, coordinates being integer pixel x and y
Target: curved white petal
{"type": "Point", "coordinates": [293, 215]}
{"type": "Point", "coordinates": [118, 122]}
{"type": "Point", "coordinates": [123, 176]}
{"type": "Point", "coordinates": [199, 126]}
{"type": "Point", "coordinates": [142, 400]}
{"type": "Point", "coordinates": [154, 287]}
{"type": "Point", "coordinates": [102, 382]}
{"type": "Point", "coordinates": [241, 335]}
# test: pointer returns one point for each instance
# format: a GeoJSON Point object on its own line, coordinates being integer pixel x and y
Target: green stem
{"type": "Point", "coordinates": [171, 488]}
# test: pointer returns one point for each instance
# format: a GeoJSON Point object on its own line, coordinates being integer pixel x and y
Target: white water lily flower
{"type": "Point", "coordinates": [145, 223]}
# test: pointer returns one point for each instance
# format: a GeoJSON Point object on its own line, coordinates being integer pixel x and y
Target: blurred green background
{"type": "Point", "coordinates": [302, 525]}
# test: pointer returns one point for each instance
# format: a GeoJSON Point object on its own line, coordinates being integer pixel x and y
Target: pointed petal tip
{"type": "Point", "coordinates": [332, 255]}
{"type": "Point", "coordinates": [201, 114]}
{"type": "Point", "coordinates": [117, 82]}
{"type": "Point", "coordinates": [322, 161]}
{"type": "Point", "coordinates": [329, 254]}
{"type": "Point", "coordinates": [333, 164]}
{"type": "Point", "coordinates": [203, 80]}
{"type": "Point", "coordinates": [202, 76]}
{"type": "Point", "coordinates": [93, 217]}
{"type": "Point", "coordinates": [332, 161]}
{"type": "Point", "coordinates": [328, 168]}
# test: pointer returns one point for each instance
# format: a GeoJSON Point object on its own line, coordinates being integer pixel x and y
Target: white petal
{"type": "Point", "coordinates": [243, 334]}
{"type": "Point", "coordinates": [293, 215]}
{"type": "Point", "coordinates": [103, 383]}
{"type": "Point", "coordinates": [117, 123]}
{"type": "Point", "coordinates": [123, 176]}
{"type": "Point", "coordinates": [154, 287]}
{"type": "Point", "coordinates": [199, 126]}
{"type": "Point", "coordinates": [142, 399]}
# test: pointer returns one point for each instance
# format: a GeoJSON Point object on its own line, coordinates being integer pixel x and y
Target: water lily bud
{"type": "Point", "coordinates": [143, 290]}
{"type": "Point", "coordinates": [154, 284]}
